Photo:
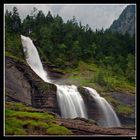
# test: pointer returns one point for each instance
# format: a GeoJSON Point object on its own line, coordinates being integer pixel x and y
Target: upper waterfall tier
{"type": "Point", "coordinates": [33, 59]}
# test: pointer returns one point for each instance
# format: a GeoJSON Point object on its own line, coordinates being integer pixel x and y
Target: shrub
{"type": "Point", "coordinates": [100, 78]}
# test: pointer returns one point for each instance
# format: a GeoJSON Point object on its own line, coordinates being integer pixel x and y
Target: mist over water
{"type": "Point", "coordinates": [69, 99]}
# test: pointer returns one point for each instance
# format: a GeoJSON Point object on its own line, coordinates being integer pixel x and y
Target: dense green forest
{"type": "Point", "coordinates": [67, 44]}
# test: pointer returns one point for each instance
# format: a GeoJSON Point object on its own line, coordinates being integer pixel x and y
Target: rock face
{"type": "Point", "coordinates": [22, 84]}
{"type": "Point", "coordinates": [16, 85]}
{"type": "Point", "coordinates": [44, 96]}
{"type": "Point", "coordinates": [54, 74]}
{"type": "Point", "coordinates": [84, 127]}
{"type": "Point", "coordinates": [125, 22]}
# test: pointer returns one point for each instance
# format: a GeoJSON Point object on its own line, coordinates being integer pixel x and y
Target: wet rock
{"type": "Point", "coordinates": [92, 108]}
{"type": "Point", "coordinates": [52, 72]}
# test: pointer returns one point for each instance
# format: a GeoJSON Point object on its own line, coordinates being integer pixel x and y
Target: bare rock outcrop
{"type": "Point", "coordinates": [23, 85]}
{"type": "Point", "coordinates": [81, 126]}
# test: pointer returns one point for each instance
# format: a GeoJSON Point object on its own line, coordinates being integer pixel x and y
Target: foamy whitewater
{"type": "Point", "coordinates": [33, 59]}
{"type": "Point", "coordinates": [110, 117]}
{"type": "Point", "coordinates": [69, 99]}
{"type": "Point", "coordinates": [70, 102]}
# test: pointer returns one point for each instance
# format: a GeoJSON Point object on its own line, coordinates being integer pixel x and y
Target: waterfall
{"type": "Point", "coordinates": [70, 102]}
{"type": "Point", "coordinates": [33, 59]}
{"type": "Point", "coordinates": [69, 99]}
{"type": "Point", "coordinates": [110, 118]}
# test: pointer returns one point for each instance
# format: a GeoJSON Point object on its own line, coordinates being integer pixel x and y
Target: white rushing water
{"type": "Point", "coordinates": [110, 117]}
{"type": "Point", "coordinates": [33, 59]}
{"type": "Point", "coordinates": [69, 99]}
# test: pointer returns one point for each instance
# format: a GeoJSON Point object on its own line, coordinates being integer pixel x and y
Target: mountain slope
{"type": "Point", "coordinates": [126, 21]}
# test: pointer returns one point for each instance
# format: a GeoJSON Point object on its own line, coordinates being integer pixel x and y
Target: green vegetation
{"type": "Point", "coordinates": [9, 54]}
{"type": "Point", "coordinates": [75, 48]}
{"type": "Point", "coordinates": [23, 120]}
{"type": "Point", "coordinates": [18, 107]}
{"type": "Point", "coordinates": [89, 74]}
{"type": "Point", "coordinates": [120, 108]}
{"type": "Point", "coordinates": [13, 126]}
{"type": "Point", "coordinates": [112, 101]}
{"type": "Point", "coordinates": [28, 115]}
{"type": "Point", "coordinates": [58, 130]}
{"type": "Point", "coordinates": [13, 46]}
{"type": "Point", "coordinates": [100, 59]}
{"type": "Point", "coordinates": [124, 109]}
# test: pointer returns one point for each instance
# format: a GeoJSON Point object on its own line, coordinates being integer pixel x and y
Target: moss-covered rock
{"type": "Point", "coordinates": [23, 120]}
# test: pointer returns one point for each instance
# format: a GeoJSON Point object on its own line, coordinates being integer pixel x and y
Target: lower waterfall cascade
{"type": "Point", "coordinates": [69, 99]}
{"type": "Point", "coordinates": [110, 117]}
{"type": "Point", "coordinates": [70, 102]}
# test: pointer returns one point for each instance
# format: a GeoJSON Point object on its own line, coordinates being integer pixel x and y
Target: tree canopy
{"type": "Point", "coordinates": [65, 44]}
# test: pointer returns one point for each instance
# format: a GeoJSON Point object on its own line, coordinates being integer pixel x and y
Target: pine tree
{"type": "Point", "coordinates": [16, 21]}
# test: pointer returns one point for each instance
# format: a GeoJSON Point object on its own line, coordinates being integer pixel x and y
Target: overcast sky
{"type": "Point", "coordinates": [96, 16]}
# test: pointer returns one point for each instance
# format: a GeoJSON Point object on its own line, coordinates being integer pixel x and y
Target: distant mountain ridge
{"type": "Point", "coordinates": [125, 22]}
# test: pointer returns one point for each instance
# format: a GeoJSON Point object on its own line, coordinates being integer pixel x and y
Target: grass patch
{"type": "Point", "coordinates": [23, 120]}
{"type": "Point", "coordinates": [58, 130]}
{"type": "Point", "coordinates": [18, 106]}
{"type": "Point", "coordinates": [124, 109]}
{"type": "Point", "coordinates": [13, 126]}
{"type": "Point", "coordinates": [10, 54]}
{"type": "Point", "coordinates": [112, 100]}
{"type": "Point", "coordinates": [33, 123]}
{"type": "Point", "coordinates": [28, 115]}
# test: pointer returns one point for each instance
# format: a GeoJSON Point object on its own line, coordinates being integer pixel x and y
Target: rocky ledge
{"type": "Point", "coordinates": [23, 85]}
{"type": "Point", "coordinates": [80, 126]}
